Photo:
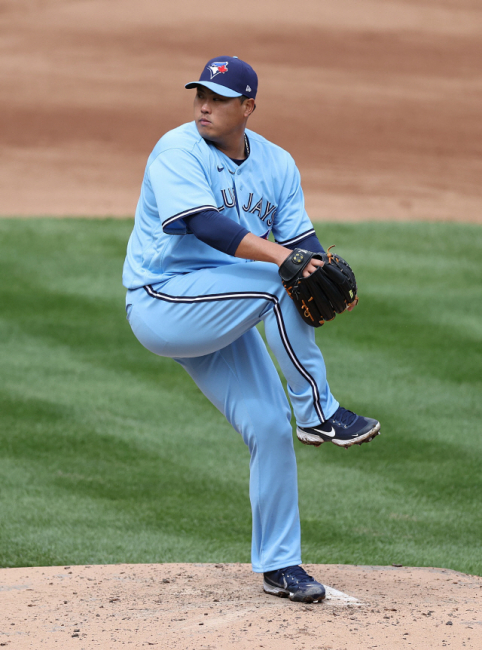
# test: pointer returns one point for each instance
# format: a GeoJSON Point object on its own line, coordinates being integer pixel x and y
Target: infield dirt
{"type": "Point", "coordinates": [216, 607]}
{"type": "Point", "coordinates": [378, 101]}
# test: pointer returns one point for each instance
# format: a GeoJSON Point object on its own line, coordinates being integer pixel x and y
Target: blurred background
{"type": "Point", "coordinates": [379, 101]}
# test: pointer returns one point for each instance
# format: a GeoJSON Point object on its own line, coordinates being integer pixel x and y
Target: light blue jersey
{"type": "Point", "coordinates": [185, 175]}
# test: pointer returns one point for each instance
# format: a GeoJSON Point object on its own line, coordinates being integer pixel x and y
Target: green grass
{"type": "Point", "coordinates": [94, 463]}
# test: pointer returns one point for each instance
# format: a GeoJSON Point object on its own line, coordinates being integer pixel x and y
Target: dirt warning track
{"type": "Point", "coordinates": [216, 607]}
{"type": "Point", "coordinates": [379, 102]}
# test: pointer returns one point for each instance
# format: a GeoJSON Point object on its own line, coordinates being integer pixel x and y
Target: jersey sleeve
{"type": "Point", "coordinates": [292, 223]}
{"type": "Point", "coordinates": [181, 188]}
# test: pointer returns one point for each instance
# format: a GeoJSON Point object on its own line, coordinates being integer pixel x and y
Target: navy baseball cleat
{"type": "Point", "coordinates": [344, 429]}
{"type": "Point", "coordinates": [293, 581]}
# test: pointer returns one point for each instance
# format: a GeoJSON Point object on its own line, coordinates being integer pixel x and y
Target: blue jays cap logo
{"type": "Point", "coordinates": [217, 67]}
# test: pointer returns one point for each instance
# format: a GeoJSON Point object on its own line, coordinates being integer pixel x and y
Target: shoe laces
{"type": "Point", "coordinates": [344, 416]}
{"type": "Point", "coordinates": [296, 575]}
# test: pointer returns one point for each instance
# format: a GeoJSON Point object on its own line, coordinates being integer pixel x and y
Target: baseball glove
{"type": "Point", "coordinates": [328, 291]}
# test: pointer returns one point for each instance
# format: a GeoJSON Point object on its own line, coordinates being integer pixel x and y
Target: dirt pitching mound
{"type": "Point", "coordinates": [219, 606]}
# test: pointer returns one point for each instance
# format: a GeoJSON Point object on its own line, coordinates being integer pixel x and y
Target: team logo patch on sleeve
{"type": "Point", "coordinates": [217, 67]}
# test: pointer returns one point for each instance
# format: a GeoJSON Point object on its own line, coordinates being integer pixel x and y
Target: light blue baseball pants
{"type": "Point", "coordinates": [206, 321]}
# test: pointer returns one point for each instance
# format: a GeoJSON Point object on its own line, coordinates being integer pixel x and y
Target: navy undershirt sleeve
{"type": "Point", "coordinates": [310, 243]}
{"type": "Point", "coordinates": [225, 235]}
{"type": "Point", "coordinates": [216, 230]}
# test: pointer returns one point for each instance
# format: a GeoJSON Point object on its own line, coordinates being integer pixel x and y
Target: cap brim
{"type": "Point", "coordinates": [216, 88]}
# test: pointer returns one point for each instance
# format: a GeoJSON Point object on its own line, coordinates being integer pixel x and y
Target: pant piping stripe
{"type": "Point", "coordinates": [279, 319]}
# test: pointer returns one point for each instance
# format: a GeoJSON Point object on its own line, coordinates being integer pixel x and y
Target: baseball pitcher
{"type": "Point", "coordinates": [201, 273]}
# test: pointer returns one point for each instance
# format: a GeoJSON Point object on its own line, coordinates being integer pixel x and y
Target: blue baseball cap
{"type": "Point", "coordinates": [228, 76]}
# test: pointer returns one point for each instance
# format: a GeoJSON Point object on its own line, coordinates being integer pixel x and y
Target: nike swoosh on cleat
{"type": "Point", "coordinates": [331, 433]}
